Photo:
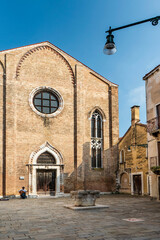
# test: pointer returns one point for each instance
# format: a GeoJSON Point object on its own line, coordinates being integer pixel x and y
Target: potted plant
{"type": "Point", "coordinates": [156, 170]}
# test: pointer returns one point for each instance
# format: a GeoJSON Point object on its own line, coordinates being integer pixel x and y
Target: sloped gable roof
{"type": "Point", "coordinates": [151, 72]}
{"type": "Point", "coordinates": [63, 52]}
{"type": "Point", "coordinates": [139, 124]}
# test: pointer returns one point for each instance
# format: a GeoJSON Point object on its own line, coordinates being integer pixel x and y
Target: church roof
{"type": "Point", "coordinates": [60, 50]}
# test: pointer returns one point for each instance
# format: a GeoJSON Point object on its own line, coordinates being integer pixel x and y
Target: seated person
{"type": "Point", "coordinates": [23, 193]}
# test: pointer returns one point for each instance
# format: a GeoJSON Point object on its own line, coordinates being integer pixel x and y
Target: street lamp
{"type": "Point", "coordinates": [136, 145]}
{"type": "Point", "coordinates": [110, 47]}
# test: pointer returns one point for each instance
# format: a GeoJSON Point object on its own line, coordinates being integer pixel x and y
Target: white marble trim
{"type": "Point", "coordinates": [33, 168]}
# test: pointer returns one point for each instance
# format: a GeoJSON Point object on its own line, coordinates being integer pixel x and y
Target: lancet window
{"type": "Point", "coordinates": [96, 139]}
{"type": "Point", "coordinates": [122, 156]}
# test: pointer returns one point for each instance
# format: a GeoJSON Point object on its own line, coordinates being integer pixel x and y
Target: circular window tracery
{"type": "Point", "coordinates": [46, 102]}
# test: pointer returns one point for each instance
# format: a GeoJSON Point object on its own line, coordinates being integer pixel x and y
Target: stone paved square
{"type": "Point", "coordinates": [46, 218]}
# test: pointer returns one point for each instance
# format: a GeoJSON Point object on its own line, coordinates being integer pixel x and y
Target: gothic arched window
{"type": "Point", "coordinates": [96, 140]}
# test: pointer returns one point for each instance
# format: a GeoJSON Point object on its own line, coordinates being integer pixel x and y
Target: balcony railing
{"type": "Point", "coordinates": [153, 125]}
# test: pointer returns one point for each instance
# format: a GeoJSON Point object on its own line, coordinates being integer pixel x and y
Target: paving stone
{"type": "Point", "coordinates": [45, 219]}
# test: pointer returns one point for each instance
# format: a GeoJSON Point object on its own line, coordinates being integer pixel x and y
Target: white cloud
{"type": "Point", "coordinates": [136, 96]}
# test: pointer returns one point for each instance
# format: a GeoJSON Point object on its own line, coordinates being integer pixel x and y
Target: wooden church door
{"type": "Point", "coordinates": [46, 180]}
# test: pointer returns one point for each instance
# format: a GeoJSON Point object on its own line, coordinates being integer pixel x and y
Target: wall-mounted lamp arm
{"type": "Point", "coordinates": [136, 145]}
{"type": "Point", "coordinates": [110, 47]}
{"type": "Point", "coordinates": [153, 20]}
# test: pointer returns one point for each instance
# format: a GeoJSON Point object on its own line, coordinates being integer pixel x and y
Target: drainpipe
{"type": "Point", "coordinates": [75, 128]}
{"type": "Point", "coordinates": [110, 116]}
{"type": "Point", "coordinates": [4, 126]}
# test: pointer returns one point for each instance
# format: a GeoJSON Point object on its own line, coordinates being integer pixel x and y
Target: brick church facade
{"type": "Point", "coordinates": [59, 123]}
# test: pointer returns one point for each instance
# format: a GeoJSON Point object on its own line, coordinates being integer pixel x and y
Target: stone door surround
{"type": "Point", "coordinates": [33, 166]}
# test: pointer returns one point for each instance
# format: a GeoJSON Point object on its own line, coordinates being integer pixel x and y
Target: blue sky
{"type": "Point", "coordinates": [78, 27]}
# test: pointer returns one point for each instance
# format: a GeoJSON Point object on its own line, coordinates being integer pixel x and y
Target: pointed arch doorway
{"type": "Point", "coordinates": [46, 178]}
{"type": "Point", "coordinates": [46, 172]}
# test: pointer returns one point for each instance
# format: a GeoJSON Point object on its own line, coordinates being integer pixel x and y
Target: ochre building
{"type": "Point", "coordinates": [152, 81]}
{"type": "Point", "coordinates": [59, 123]}
{"type": "Point", "coordinates": [133, 161]}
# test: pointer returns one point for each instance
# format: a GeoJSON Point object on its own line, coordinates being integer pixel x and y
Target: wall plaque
{"type": "Point", "coordinates": [21, 178]}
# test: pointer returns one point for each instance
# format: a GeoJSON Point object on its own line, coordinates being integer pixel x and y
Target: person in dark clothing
{"type": "Point", "coordinates": [23, 193]}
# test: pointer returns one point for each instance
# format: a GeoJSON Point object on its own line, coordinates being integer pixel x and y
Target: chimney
{"type": "Point", "coordinates": [134, 114]}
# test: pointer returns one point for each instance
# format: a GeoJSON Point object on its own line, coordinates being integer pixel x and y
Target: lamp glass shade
{"type": "Point", "coordinates": [109, 48]}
